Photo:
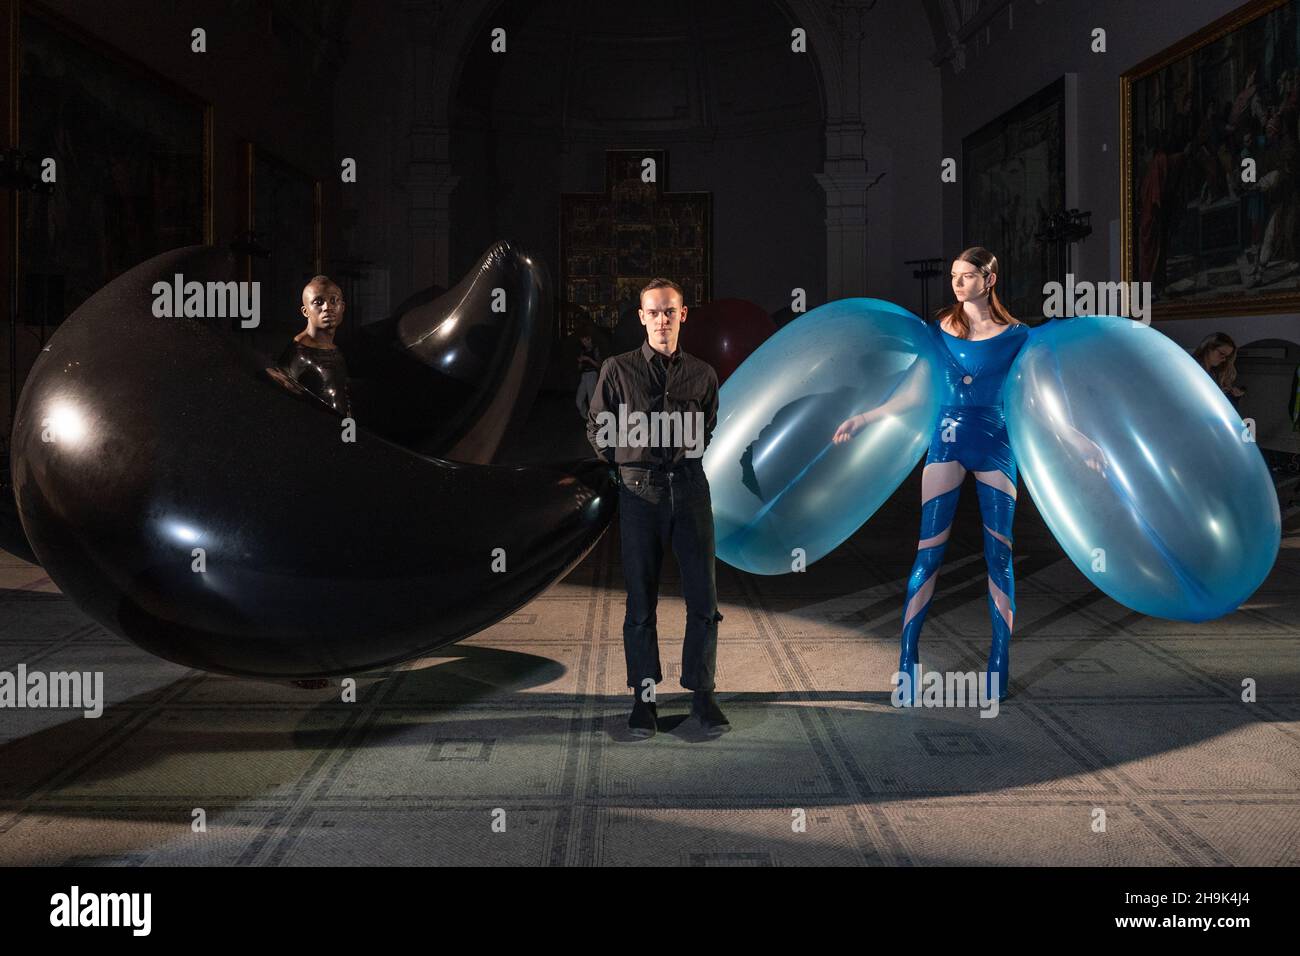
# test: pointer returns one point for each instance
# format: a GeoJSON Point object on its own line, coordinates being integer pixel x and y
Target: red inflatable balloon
{"type": "Point", "coordinates": [725, 332]}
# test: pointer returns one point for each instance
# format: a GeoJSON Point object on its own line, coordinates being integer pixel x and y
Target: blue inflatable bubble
{"type": "Point", "coordinates": [1141, 468]}
{"type": "Point", "coordinates": [779, 483]}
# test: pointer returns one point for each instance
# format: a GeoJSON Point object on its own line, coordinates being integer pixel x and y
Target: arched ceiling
{"type": "Point", "coordinates": [602, 65]}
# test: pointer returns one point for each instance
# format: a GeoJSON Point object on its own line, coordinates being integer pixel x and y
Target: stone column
{"type": "Point", "coordinates": [844, 178]}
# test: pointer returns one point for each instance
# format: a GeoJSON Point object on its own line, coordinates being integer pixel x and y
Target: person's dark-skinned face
{"type": "Point", "coordinates": [323, 306]}
{"type": "Point", "coordinates": [662, 313]}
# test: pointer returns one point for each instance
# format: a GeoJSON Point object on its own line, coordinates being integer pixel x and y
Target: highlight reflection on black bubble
{"type": "Point", "coordinates": [453, 373]}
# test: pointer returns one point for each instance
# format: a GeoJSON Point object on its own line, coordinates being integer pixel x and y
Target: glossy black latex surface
{"type": "Point", "coordinates": [322, 556]}
{"type": "Point", "coordinates": [455, 374]}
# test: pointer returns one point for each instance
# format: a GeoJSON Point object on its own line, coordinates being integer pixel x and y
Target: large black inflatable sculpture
{"type": "Point", "coordinates": [189, 502]}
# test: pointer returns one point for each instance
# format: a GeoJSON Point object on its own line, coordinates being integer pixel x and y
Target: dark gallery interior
{"type": "Point", "coordinates": [414, 645]}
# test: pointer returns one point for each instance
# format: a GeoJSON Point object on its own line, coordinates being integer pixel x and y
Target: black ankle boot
{"type": "Point", "coordinates": [644, 719]}
{"type": "Point", "coordinates": [705, 709]}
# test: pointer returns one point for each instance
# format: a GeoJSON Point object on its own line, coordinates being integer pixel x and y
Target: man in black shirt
{"type": "Point", "coordinates": [652, 415]}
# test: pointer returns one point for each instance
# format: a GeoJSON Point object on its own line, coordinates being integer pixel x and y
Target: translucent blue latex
{"type": "Point", "coordinates": [778, 482]}
{"type": "Point", "coordinates": [1141, 468]}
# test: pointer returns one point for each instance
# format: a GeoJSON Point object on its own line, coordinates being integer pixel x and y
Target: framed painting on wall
{"type": "Point", "coordinates": [1210, 181]}
{"type": "Point", "coordinates": [131, 155]}
{"type": "Point", "coordinates": [1014, 169]}
{"type": "Point", "coordinates": [613, 243]}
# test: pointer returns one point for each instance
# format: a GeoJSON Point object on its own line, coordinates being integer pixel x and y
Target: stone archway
{"type": "Point", "coordinates": [441, 32]}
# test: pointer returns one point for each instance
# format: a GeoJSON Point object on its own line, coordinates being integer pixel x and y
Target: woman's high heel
{"type": "Point", "coordinates": [911, 675]}
{"type": "Point", "coordinates": [999, 668]}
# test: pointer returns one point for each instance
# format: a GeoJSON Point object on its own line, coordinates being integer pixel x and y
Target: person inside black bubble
{"type": "Point", "coordinates": [314, 362]}
{"type": "Point", "coordinates": [312, 359]}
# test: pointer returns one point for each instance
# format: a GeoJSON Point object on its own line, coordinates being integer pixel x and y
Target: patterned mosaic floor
{"type": "Point", "coordinates": [1112, 711]}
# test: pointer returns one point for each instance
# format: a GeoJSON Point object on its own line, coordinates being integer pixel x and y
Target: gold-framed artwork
{"type": "Point", "coordinates": [613, 243]}
{"type": "Point", "coordinates": [1210, 186]}
{"type": "Point", "coordinates": [1014, 174]}
{"type": "Point", "coordinates": [132, 155]}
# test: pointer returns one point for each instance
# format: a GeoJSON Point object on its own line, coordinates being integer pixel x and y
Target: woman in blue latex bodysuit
{"type": "Point", "coordinates": [978, 340]}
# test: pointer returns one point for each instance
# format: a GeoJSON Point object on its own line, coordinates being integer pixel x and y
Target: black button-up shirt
{"type": "Point", "coordinates": [644, 381]}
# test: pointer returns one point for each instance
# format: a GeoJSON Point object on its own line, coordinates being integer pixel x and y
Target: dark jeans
{"type": "Point", "coordinates": [674, 509]}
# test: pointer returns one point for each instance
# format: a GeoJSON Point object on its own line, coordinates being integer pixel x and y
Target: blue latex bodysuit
{"type": "Point", "coordinates": [971, 429]}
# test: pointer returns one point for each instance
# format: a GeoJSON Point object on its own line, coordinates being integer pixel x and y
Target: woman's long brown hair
{"type": "Point", "coordinates": [987, 264]}
{"type": "Point", "coordinates": [1226, 374]}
